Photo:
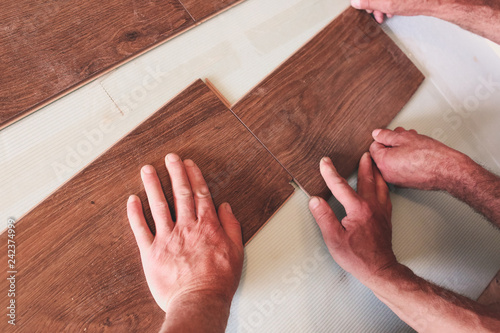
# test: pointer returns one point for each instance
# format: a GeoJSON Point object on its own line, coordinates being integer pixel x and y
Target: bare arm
{"type": "Point", "coordinates": [479, 16]}
{"type": "Point", "coordinates": [479, 188]}
{"type": "Point", "coordinates": [408, 159]}
{"type": "Point", "coordinates": [361, 244]}
{"type": "Point", "coordinates": [193, 265]}
{"type": "Point", "coordinates": [430, 308]}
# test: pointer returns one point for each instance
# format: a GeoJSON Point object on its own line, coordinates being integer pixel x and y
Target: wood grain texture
{"type": "Point", "coordinates": [201, 10]}
{"type": "Point", "coordinates": [328, 97]}
{"type": "Point", "coordinates": [50, 48]}
{"type": "Point", "coordinates": [78, 265]}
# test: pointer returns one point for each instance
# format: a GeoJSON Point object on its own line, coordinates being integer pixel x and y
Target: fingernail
{"type": "Point", "coordinates": [326, 160]}
{"type": "Point", "coordinates": [356, 4]}
{"type": "Point", "coordinates": [132, 198]}
{"type": "Point", "coordinates": [148, 169]}
{"type": "Point", "coordinates": [228, 208]}
{"type": "Point", "coordinates": [314, 202]}
{"type": "Point", "coordinates": [173, 157]}
{"type": "Point", "coordinates": [376, 132]}
{"type": "Point", "coordinates": [189, 163]}
{"type": "Point", "coordinates": [367, 154]}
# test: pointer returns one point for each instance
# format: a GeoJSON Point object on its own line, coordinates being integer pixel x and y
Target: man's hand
{"type": "Point", "coordinates": [479, 16]}
{"type": "Point", "coordinates": [361, 244]}
{"type": "Point", "coordinates": [194, 263]}
{"type": "Point", "coordinates": [408, 159]}
{"type": "Point", "coordinates": [380, 8]}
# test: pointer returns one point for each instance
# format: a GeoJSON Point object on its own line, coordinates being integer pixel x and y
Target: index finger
{"type": "Point", "coordinates": [339, 186]}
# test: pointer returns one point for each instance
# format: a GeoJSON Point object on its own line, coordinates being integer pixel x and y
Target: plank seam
{"type": "Point", "coordinates": [187, 11]}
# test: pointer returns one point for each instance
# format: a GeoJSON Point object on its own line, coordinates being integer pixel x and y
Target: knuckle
{"type": "Point", "coordinates": [159, 206]}
{"type": "Point", "coordinates": [365, 206]}
{"type": "Point", "coordinates": [322, 213]}
{"type": "Point", "coordinates": [203, 193]}
{"type": "Point", "coordinates": [183, 192]}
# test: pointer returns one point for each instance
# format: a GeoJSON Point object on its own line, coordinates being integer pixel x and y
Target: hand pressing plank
{"type": "Point", "coordinates": [193, 265]}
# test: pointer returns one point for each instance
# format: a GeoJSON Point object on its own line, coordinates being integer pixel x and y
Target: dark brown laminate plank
{"type": "Point", "coordinates": [329, 96]}
{"type": "Point", "coordinates": [50, 48]}
{"type": "Point", "coordinates": [201, 10]}
{"type": "Point", "coordinates": [78, 265]}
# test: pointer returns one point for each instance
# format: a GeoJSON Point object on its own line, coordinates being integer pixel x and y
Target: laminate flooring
{"type": "Point", "coordinates": [328, 97]}
{"type": "Point", "coordinates": [78, 265]}
{"type": "Point", "coordinates": [200, 10]}
{"type": "Point", "coordinates": [49, 48]}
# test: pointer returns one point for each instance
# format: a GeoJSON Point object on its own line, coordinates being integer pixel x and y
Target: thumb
{"type": "Point", "coordinates": [230, 224]}
{"type": "Point", "coordinates": [389, 138]}
{"type": "Point", "coordinates": [367, 4]}
{"type": "Point", "coordinates": [330, 226]}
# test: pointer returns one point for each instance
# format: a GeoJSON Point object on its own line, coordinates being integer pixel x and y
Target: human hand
{"type": "Point", "coordinates": [200, 256]}
{"type": "Point", "coordinates": [408, 159]}
{"type": "Point", "coordinates": [381, 8]}
{"type": "Point", "coordinates": [362, 243]}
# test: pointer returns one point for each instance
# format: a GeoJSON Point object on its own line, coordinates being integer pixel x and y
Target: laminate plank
{"type": "Point", "coordinates": [201, 10]}
{"type": "Point", "coordinates": [78, 265]}
{"type": "Point", "coordinates": [50, 48]}
{"type": "Point", "coordinates": [328, 97]}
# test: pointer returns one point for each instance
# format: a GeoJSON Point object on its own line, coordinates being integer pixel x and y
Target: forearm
{"type": "Point", "coordinates": [429, 308]}
{"type": "Point", "coordinates": [477, 187]}
{"type": "Point", "coordinates": [479, 16]}
{"type": "Point", "coordinates": [197, 314]}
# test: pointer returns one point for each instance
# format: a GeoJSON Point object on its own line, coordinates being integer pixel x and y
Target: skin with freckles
{"type": "Point", "coordinates": [479, 16]}
{"type": "Point", "coordinates": [193, 265]}
{"type": "Point", "coordinates": [361, 242]}
{"type": "Point", "coordinates": [408, 159]}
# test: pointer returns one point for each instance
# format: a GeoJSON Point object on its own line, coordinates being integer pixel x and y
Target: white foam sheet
{"type": "Point", "coordinates": [289, 282]}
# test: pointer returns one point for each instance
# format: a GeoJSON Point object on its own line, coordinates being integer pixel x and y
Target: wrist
{"type": "Point", "coordinates": [385, 278]}
{"type": "Point", "coordinates": [196, 312]}
{"type": "Point", "coordinates": [463, 178]}
{"type": "Point", "coordinates": [198, 300]}
{"type": "Point", "coordinates": [452, 171]}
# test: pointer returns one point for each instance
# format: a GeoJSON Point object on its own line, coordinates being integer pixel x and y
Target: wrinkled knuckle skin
{"type": "Point", "coordinates": [205, 194]}
{"type": "Point", "coordinates": [183, 192]}
{"type": "Point", "coordinates": [365, 207]}
{"type": "Point", "coordinates": [159, 205]}
{"type": "Point", "coordinates": [323, 215]}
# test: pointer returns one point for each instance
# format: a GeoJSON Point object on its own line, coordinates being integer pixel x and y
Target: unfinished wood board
{"type": "Point", "coordinates": [201, 10]}
{"type": "Point", "coordinates": [328, 97]}
{"type": "Point", "coordinates": [49, 48]}
{"type": "Point", "coordinates": [78, 265]}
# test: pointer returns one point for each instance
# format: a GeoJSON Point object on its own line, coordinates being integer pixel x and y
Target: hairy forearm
{"type": "Point", "coordinates": [479, 16]}
{"type": "Point", "coordinates": [197, 314]}
{"type": "Point", "coordinates": [477, 187]}
{"type": "Point", "coordinates": [430, 308]}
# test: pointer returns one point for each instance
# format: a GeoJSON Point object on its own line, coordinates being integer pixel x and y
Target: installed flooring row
{"type": "Point", "coordinates": [49, 48]}
{"type": "Point", "coordinates": [79, 266]}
